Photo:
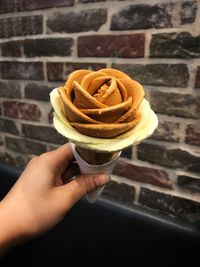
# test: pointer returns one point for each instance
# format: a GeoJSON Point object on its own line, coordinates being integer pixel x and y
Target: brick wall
{"type": "Point", "coordinates": [156, 42]}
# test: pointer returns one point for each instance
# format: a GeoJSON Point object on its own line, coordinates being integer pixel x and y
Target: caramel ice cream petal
{"type": "Point", "coordinates": [109, 95]}
{"type": "Point", "coordinates": [97, 83]}
{"type": "Point", "coordinates": [71, 112]}
{"type": "Point", "coordinates": [144, 128]}
{"type": "Point", "coordinates": [127, 116]}
{"type": "Point", "coordinates": [113, 95]}
{"type": "Point", "coordinates": [83, 99]}
{"type": "Point", "coordinates": [125, 119]}
{"type": "Point", "coordinates": [76, 75]}
{"type": "Point", "coordinates": [87, 80]}
{"type": "Point", "coordinates": [135, 90]}
{"type": "Point", "coordinates": [105, 90]}
{"type": "Point", "coordinates": [109, 114]}
{"type": "Point", "coordinates": [105, 130]}
{"type": "Point", "coordinates": [114, 99]}
{"type": "Point", "coordinates": [110, 90]}
{"type": "Point", "coordinates": [122, 90]}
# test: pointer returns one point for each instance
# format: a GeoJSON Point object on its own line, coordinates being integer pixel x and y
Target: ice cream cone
{"type": "Point", "coordinates": [90, 162]}
{"type": "Point", "coordinates": [95, 158]}
{"type": "Point", "coordinates": [101, 113]}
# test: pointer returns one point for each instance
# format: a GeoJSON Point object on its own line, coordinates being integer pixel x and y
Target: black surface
{"type": "Point", "coordinates": [107, 232]}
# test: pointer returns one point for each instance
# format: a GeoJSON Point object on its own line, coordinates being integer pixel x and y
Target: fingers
{"type": "Point", "coordinates": [80, 186]}
{"type": "Point", "coordinates": [72, 170]}
{"type": "Point", "coordinates": [60, 157]}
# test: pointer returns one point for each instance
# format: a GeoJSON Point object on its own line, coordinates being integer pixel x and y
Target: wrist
{"type": "Point", "coordinates": [9, 234]}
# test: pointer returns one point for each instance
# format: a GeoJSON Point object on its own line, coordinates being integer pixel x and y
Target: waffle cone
{"type": "Point", "coordinates": [95, 158]}
{"type": "Point", "coordinates": [91, 162]}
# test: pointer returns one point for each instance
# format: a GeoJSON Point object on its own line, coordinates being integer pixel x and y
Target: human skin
{"type": "Point", "coordinates": [42, 196]}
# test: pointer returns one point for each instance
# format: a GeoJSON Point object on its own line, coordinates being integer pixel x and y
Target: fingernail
{"type": "Point", "coordinates": [102, 179]}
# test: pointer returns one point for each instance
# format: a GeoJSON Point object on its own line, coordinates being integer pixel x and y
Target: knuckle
{"type": "Point", "coordinates": [33, 159]}
{"type": "Point", "coordinates": [45, 157]}
{"type": "Point", "coordinates": [88, 183]}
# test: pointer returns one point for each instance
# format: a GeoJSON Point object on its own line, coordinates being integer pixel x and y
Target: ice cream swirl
{"type": "Point", "coordinates": [102, 104]}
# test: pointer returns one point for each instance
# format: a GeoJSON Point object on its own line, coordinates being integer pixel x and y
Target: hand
{"type": "Point", "coordinates": [41, 197]}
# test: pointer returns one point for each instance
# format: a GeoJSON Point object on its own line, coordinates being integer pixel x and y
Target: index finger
{"type": "Point", "coordinates": [60, 157]}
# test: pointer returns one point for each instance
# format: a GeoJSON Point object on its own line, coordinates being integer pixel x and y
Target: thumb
{"type": "Point", "coordinates": [81, 185]}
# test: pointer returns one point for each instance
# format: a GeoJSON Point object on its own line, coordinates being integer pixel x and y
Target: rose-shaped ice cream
{"type": "Point", "coordinates": [103, 111]}
{"type": "Point", "coordinates": [101, 103]}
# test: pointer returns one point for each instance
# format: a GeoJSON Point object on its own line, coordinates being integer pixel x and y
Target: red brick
{"type": "Point", "coordinates": [174, 104]}
{"type": "Point", "coordinates": [193, 134]}
{"type": "Point", "coordinates": [21, 26]}
{"type": "Point", "coordinates": [10, 89]}
{"type": "Point", "coordinates": [167, 131]}
{"type": "Point", "coordinates": [188, 12]}
{"type": "Point", "coordinates": [48, 47]}
{"type": "Point", "coordinates": [197, 81]}
{"type": "Point", "coordinates": [43, 133]}
{"type": "Point", "coordinates": [8, 126]}
{"type": "Point", "coordinates": [175, 45]}
{"type": "Point", "coordinates": [143, 174]}
{"type": "Point", "coordinates": [122, 46]}
{"type": "Point", "coordinates": [168, 157]}
{"type": "Point", "coordinates": [72, 66]}
{"type": "Point", "coordinates": [146, 16]}
{"type": "Point", "coordinates": [12, 49]}
{"type": "Point", "coordinates": [17, 161]}
{"type": "Point", "coordinates": [189, 183]}
{"type": "Point", "coordinates": [34, 5]}
{"type": "Point", "coordinates": [55, 71]}
{"type": "Point", "coordinates": [142, 16]}
{"type": "Point", "coordinates": [7, 6]}
{"type": "Point", "coordinates": [173, 205]}
{"type": "Point", "coordinates": [22, 70]}
{"type": "Point", "coordinates": [121, 192]}
{"type": "Point", "coordinates": [50, 116]}
{"type": "Point", "coordinates": [37, 91]}
{"type": "Point", "coordinates": [24, 146]}
{"type": "Point", "coordinates": [90, 1]}
{"type": "Point", "coordinates": [1, 141]}
{"type": "Point", "coordinates": [77, 21]}
{"type": "Point", "coordinates": [21, 110]}
{"type": "Point", "coordinates": [170, 75]}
